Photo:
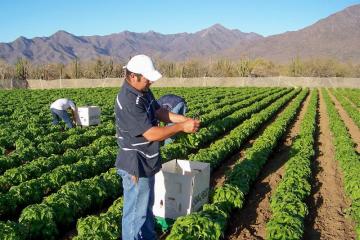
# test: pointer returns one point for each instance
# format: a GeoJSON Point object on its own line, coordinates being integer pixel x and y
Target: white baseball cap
{"type": "Point", "coordinates": [143, 65]}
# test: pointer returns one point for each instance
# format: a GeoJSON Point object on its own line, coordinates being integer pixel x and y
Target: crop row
{"type": "Point", "coordinates": [36, 168]}
{"type": "Point", "coordinates": [77, 137]}
{"type": "Point", "coordinates": [220, 113]}
{"type": "Point", "coordinates": [288, 204]}
{"type": "Point", "coordinates": [211, 222]}
{"type": "Point", "coordinates": [59, 210]}
{"type": "Point", "coordinates": [105, 226]}
{"type": "Point", "coordinates": [108, 224]}
{"type": "Point", "coordinates": [211, 132]}
{"type": "Point", "coordinates": [34, 190]}
{"type": "Point", "coordinates": [210, 106]}
{"type": "Point", "coordinates": [353, 95]}
{"type": "Point", "coordinates": [219, 150]}
{"type": "Point", "coordinates": [74, 199]}
{"type": "Point", "coordinates": [33, 123]}
{"type": "Point", "coordinates": [348, 158]}
{"type": "Point", "coordinates": [352, 111]}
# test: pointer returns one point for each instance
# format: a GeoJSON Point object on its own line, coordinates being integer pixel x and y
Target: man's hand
{"type": "Point", "coordinates": [162, 133]}
{"type": "Point", "coordinates": [191, 125]}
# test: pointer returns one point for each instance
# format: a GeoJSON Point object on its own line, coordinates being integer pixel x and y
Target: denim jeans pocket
{"type": "Point", "coordinates": [126, 178]}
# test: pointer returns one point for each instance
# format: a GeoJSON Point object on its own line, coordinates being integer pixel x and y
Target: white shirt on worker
{"type": "Point", "coordinates": [63, 104]}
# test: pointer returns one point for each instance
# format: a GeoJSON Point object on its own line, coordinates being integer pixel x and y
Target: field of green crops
{"type": "Point", "coordinates": [62, 184]}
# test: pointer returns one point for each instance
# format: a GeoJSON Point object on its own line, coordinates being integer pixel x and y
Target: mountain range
{"type": "Point", "coordinates": [336, 36]}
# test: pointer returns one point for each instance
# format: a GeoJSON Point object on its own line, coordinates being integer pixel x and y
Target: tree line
{"type": "Point", "coordinates": [107, 68]}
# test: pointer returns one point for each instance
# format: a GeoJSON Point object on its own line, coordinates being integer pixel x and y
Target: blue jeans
{"type": "Point", "coordinates": [180, 108]}
{"type": "Point", "coordinates": [138, 218]}
{"type": "Point", "coordinates": [61, 114]}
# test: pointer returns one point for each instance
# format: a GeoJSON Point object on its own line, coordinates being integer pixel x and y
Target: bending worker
{"type": "Point", "coordinates": [139, 136]}
{"type": "Point", "coordinates": [174, 104]}
{"type": "Point", "coordinates": [59, 112]}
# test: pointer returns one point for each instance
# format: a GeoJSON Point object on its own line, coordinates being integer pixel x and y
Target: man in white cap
{"type": "Point", "coordinates": [138, 136]}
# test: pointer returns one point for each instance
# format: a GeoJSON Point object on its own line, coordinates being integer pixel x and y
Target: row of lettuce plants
{"type": "Point", "coordinates": [38, 167]}
{"type": "Point", "coordinates": [219, 99]}
{"type": "Point", "coordinates": [210, 106]}
{"type": "Point", "coordinates": [107, 225]}
{"type": "Point", "coordinates": [348, 158]}
{"type": "Point", "coordinates": [59, 211]}
{"type": "Point", "coordinates": [353, 95]}
{"type": "Point", "coordinates": [208, 134]}
{"type": "Point", "coordinates": [219, 150]}
{"type": "Point", "coordinates": [77, 137]}
{"type": "Point", "coordinates": [32, 123]}
{"type": "Point", "coordinates": [34, 190]}
{"type": "Point", "coordinates": [211, 222]}
{"type": "Point", "coordinates": [351, 110]}
{"type": "Point", "coordinates": [219, 113]}
{"type": "Point", "coordinates": [288, 202]}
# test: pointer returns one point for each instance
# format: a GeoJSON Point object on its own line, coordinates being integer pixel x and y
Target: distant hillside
{"type": "Point", "coordinates": [336, 36]}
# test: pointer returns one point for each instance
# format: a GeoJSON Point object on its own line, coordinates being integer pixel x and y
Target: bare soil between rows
{"type": "Point", "coordinates": [353, 130]}
{"type": "Point", "coordinates": [218, 177]}
{"type": "Point", "coordinates": [250, 221]}
{"type": "Point", "coordinates": [327, 203]}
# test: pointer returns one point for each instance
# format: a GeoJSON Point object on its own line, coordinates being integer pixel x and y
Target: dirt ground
{"type": "Point", "coordinates": [250, 222]}
{"type": "Point", "coordinates": [218, 176]}
{"type": "Point", "coordinates": [327, 203]}
{"type": "Point", "coordinates": [349, 123]}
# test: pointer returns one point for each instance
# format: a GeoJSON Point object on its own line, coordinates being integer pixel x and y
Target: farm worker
{"type": "Point", "coordinates": [138, 136]}
{"type": "Point", "coordinates": [59, 111]}
{"type": "Point", "coordinates": [174, 104]}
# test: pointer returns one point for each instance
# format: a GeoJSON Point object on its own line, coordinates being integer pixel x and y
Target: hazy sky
{"type": "Point", "coordinates": [38, 18]}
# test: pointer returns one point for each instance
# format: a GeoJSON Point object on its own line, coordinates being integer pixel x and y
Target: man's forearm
{"type": "Point", "coordinates": [177, 118]}
{"type": "Point", "coordinates": [162, 133]}
{"type": "Point", "coordinates": [169, 117]}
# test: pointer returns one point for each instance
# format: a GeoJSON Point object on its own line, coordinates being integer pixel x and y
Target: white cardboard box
{"type": "Point", "coordinates": [181, 187]}
{"type": "Point", "coordinates": [89, 115]}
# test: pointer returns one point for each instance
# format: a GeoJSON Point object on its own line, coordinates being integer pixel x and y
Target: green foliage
{"type": "Point", "coordinates": [40, 222]}
{"type": "Point", "coordinates": [347, 156]}
{"type": "Point", "coordinates": [288, 201]}
{"type": "Point", "coordinates": [201, 225]}
{"type": "Point", "coordinates": [229, 194]}
{"type": "Point", "coordinates": [210, 223]}
{"type": "Point", "coordinates": [104, 226]}
{"type": "Point", "coordinates": [12, 231]}
{"type": "Point", "coordinates": [351, 110]}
